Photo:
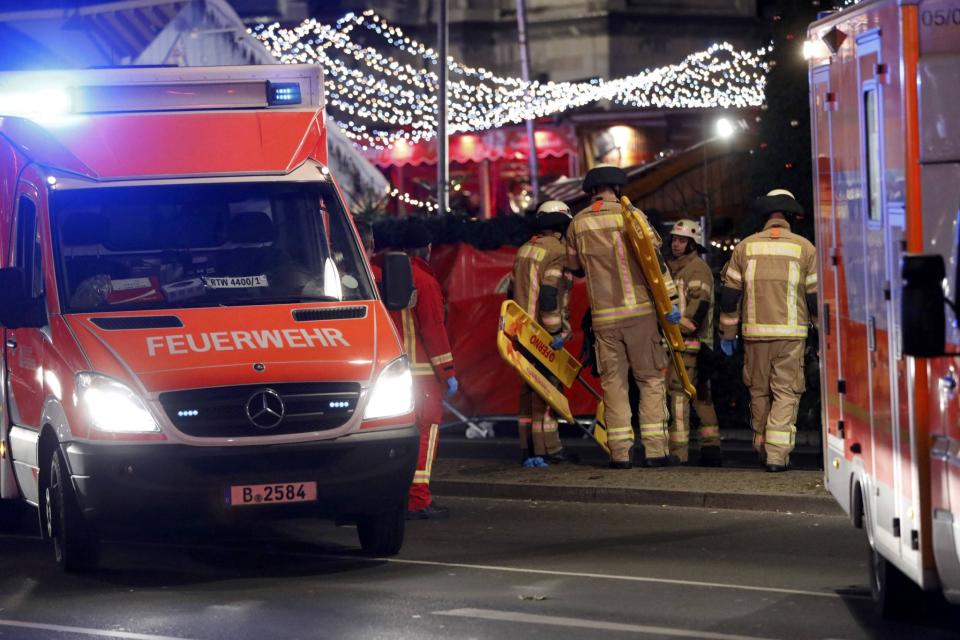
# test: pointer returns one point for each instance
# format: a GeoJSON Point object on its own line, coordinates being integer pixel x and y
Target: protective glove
{"type": "Point", "coordinates": [558, 341]}
{"type": "Point", "coordinates": [674, 316]}
{"type": "Point", "coordinates": [452, 385]}
{"type": "Point", "coordinates": [727, 346]}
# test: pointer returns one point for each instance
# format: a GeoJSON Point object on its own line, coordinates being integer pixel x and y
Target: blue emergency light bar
{"type": "Point", "coordinates": [283, 93]}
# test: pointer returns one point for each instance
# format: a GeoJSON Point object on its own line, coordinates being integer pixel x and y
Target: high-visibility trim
{"type": "Point", "coordinates": [692, 345]}
{"type": "Point", "coordinates": [409, 335]}
{"type": "Point", "coordinates": [751, 291]}
{"type": "Point", "coordinates": [534, 295]}
{"type": "Point", "coordinates": [729, 319]}
{"type": "Point", "coordinates": [781, 249]}
{"type": "Point", "coordinates": [679, 438]}
{"type": "Point", "coordinates": [695, 284]}
{"type": "Point", "coordinates": [599, 223]}
{"type": "Point", "coordinates": [422, 369]}
{"type": "Point", "coordinates": [775, 436]}
{"type": "Point", "coordinates": [733, 275]}
{"type": "Point", "coordinates": [626, 282]}
{"type": "Point", "coordinates": [524, 421]}
{"type": "Point", "coordinates": [549, 426]}
{"type": "Point", "coordinates": [538, 426]}
{"type": "Point", "coordinates": [652, 428]}
{"type": "Point", "coordinates": [432, 448]}
{"type": "Point", "coordinates": [688, 323]}
{"type": "Point", "coordinates": [553, 272]}
{"type": "Point", "coordinates": [532, 252]}
{"type": "Point", "coordinates": [712, 431]}
{"type": "Point", "coordinates": [617, 313]}
{"type": "Point", "coordinates": [774, 331]}
{"type": "Point", "coordinates": [811, 279]}
{"type": "Point", "coordinates": [421, 477]}
{"type": "Point", "coordinates": [619, 434]}
{"type": "Point", "coordinates": [792, 283]}
{"type": "Point", "coordinates": [441, 359]}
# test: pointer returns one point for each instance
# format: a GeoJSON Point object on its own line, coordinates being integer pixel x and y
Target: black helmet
{"type": "Point", "coordinates": [416, 235]}
{"type": "Point", "coordinates": [778, 201]}
{"type": "Point", "coordinates": [604, 174]}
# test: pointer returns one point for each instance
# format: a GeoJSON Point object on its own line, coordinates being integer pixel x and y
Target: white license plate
{"type": "Point", "coordinates": [244, 495]}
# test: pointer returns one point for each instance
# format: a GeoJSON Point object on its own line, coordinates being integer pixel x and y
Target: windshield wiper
{"type": "Point", "coordinates": [279, 300]}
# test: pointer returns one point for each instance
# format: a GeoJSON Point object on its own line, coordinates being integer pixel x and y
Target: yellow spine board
{"type": "Point", "coordinates": [640, 236]}
{"type": "Point", "coordinates": [512, 321]}
{"type": "Point", "coordinates": [536, 340]}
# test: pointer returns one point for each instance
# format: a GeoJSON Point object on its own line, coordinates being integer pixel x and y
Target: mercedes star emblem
{"type": "Point", "coordinates": [265, 409]}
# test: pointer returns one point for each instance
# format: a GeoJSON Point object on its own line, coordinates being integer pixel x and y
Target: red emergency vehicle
{"type": "Point", "coordinates": [190, 327]}
{"type": "Point", "coordinates": [885, 108]}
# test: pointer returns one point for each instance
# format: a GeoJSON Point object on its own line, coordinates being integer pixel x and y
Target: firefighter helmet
{"type": "Point", "coordinates": [553, 215]}
{"type": "Point", "coordinates": [779, 201]}
{"type": "Point", "coordinates": [688, 229]}
{"type": "Point", "coordinates": [604, 174]}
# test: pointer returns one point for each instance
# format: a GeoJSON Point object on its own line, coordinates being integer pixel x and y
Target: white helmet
{"type": "Point", "coordinates": [553, 215]}
{"type": "Point", "coordinates": [688, 229]}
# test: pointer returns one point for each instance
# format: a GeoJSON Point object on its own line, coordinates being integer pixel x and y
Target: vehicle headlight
{"type": "Point", "coordinates": [392, 393]}
{"type": "Point", "coordinates": [112, 406]}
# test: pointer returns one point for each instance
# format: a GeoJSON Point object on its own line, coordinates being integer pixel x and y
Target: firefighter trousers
{"type": "Point", "coordinates": [634, 350]}
{"type": "Point", "coordinates": [429, 394]}
{"type": "Point", "coordinates": [680, 410]}
{"type": "Point", "coordinates": [536, 424]}
{"type": "Point", "coordinates": [773, 372]}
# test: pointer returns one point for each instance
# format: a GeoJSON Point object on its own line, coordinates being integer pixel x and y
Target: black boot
{"type": "Point", "coordinates": [622, 464]}
{"type": "Point", "coordinates": [663, 461]}
{"type": "Point", "coordinates": [561, 457]}
{"type": "Point", "coordinates": [710, 457]}
{"type": "Point", "coordinates": [777, 468]}
{"type": "Point", "coordinates": [432, 511]}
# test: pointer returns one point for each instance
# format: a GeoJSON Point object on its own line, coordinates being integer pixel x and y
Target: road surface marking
{"type": "Point", "coordinates": [582, 623]}
{"type": "Point", "coordinates": [541, 572]}
{"type": "Point", "coordinates": [103, 633]}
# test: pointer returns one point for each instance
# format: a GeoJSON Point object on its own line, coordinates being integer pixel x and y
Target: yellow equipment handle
{"type": "Point", "coordinates": [640, 236]}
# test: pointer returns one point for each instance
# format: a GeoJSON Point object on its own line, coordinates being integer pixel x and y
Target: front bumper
{"type": "Point", "coordinates": [356, 474]}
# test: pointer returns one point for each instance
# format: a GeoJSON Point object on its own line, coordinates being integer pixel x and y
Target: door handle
{"type": "Point", "coordinates": [11, 343]}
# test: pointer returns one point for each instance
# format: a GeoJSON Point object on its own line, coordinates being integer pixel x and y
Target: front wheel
{"type": "Point", "coordinates": [76, 545]}
{"type": "Point", "coordinates": [894, 594]}
{"type": "Point", "coordinates": [381, 534]}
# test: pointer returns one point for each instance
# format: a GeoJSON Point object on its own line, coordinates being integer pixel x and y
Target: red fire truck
{"type": "Point", "coordinates": [190, 328]}
{"type": "Point", "coordinates": [885, 109]}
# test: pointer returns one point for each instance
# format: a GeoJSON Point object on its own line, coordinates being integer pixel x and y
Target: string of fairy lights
{"type": "Point", "coordinates": [384, 90]}
{"type": "Point", "coordinates": [379, 99]}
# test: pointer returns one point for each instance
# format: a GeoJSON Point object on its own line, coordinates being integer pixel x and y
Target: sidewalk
{"type": "Point", "coordinates": [797, 491]}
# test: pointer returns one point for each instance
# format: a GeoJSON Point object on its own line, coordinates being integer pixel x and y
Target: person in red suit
{"type": "Point", "coordinates": [425, 339]}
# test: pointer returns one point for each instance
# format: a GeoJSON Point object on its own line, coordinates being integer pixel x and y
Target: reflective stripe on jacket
{"type": "Point", "coordinates": [422, 326]}
{"type": "Point", "coordinates": [694, 281]}
{"type": "Point", "coordinates": [539, 263]}
{"type": "Point", "coordinates": [775, 270]}
{"type": "Point", "coordinates": [615, 284]}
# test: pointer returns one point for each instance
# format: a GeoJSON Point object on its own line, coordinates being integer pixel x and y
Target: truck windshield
{"type": "Point", "coordinates": [188, 245]}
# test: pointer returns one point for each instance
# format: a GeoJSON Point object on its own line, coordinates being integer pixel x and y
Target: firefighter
{"type": "Point", "coordinates": [770, 291]}
{"type": "Point", "coordinates": [431, 361]}
{"type": "Point", "coordinates": [541, 286]}
{"type": "Point", "coordinates": [624, 320]}
{"type": "Point", "coordinates": [694, 281]}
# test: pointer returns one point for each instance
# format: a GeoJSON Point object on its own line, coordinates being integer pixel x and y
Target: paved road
{"type": "Point", "coordinates": [497, 569]}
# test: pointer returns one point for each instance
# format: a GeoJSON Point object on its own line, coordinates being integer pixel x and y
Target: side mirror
{"type": "Point", "coordinates": [17, 309]}
{"type": "Point", "coordinates": [397, 288]}
{"type": "Point", "coordinates": [922, 314]}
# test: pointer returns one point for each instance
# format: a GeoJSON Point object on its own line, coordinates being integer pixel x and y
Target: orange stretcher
{"type": "Point", "coordinates": [640, 236]}
{"type": "Point", "coordinates": [518, 329]}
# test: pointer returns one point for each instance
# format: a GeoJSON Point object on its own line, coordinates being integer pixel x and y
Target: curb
{"type": "Point", "coordinates": [622, 495]}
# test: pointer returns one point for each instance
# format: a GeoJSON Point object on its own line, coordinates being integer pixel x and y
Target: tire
{"type": "Point", "coordinates": [76, 546]}
{"type": "Point", "coordinates": [382, 534]}
{"type": "Point", "coordinates": [895, 596]}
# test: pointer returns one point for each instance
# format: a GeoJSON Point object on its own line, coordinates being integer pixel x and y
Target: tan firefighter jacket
{"type": "Point", "coordinates": [615, 284]}
{"type": "Point", "coordinates": [694, 281]}
{"type": "Point", "coordinates": [540, 285]}
{"type": "Point", "coordinates": [774, 271]}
